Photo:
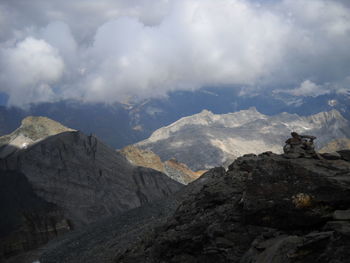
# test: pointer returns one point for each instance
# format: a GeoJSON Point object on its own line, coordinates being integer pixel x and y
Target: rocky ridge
{"type": "Point", "coordinates": [175, 170]}
{"type": "Point", "coordinates": [219, 139]}
{"type": "Point", "coordinates": [264, 208]}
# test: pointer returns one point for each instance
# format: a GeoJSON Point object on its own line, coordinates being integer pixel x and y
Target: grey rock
{"type": "Point", "coordinates": [275, 250]}
{"type": "Point", "coordinates": [341, 215]}
{"type": "Point", "coordinates": [342, 227]}
{"type": "Point", "coordinates": [331, 156]}
{"type": "Point", "coordinates": [260, 210]}
{"type": "Point", "coordinates": [345, 154]}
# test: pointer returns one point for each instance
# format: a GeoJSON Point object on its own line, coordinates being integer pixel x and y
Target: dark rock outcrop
{"type": "Point", "coordinates": [263, 209]}
{"type": "Point", "coordinates": [27, 221]}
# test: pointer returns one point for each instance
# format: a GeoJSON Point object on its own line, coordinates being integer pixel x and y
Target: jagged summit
{"type": "Point", "coordinates": [263, 209]}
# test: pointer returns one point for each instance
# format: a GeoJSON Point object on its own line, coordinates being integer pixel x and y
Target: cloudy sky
{"type": "Point", "coordinates": [111, 50]}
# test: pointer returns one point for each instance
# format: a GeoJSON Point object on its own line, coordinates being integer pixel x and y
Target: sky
{"type": "Point", "coordinates": [114, 50]}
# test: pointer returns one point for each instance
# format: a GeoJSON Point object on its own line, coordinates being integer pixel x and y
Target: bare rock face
{"type": "Point", "coordinates": [174, 169]}
{"type": "Point", "coordinates": [265, 208]}
{"type": "Point", "coordinates": [81, 179]}
{"type": "Point", "coordinates": [180, 172]}
{"type": "Point", "coordinates": [143, 158]}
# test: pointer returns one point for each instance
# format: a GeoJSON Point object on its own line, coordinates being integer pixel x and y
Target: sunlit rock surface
{"type": "Point", "coordinates": [336, 145]}
{"type": "Point", "coordinates": [174, 169]}
{"type": "Point", "coordinates": [206, 140]}
{"type": "Point", "coordinates": [32, 129]}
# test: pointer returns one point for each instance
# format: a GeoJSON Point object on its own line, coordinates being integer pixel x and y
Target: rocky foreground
{"type": "Point", "coordinates": [265, 208]}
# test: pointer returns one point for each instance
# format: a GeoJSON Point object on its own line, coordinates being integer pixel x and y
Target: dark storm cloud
{"type": "Point", "coordinates": [110, 50]}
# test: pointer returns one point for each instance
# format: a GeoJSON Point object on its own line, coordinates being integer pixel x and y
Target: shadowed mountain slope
{"type": "Point", "coordinates": [81, 177]}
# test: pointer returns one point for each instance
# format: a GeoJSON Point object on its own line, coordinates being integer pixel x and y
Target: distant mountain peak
{"type": "Point", "coordinates": [32, 129]}
{"type": "Point", "coordinates": [206, 112]}
{"type": "Point", "coordinates": [37, 127]}
{"type": "Point", "coordinates": [206, 119]}
{"type": "Point", "coordinates": [333, 113]}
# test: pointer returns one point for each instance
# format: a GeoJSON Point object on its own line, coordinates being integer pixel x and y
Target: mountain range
{"type": "Point", "coordinates": [122, 124]}
{"type": "Point", "coordinates": [206, 140]}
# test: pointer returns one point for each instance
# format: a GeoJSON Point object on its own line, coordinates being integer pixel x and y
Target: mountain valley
{"type": "Point", "coordinates": [122, 124]}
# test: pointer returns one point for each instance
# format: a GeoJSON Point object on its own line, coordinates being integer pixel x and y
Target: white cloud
{"type": "Point", "coordinates": [308, 88]}
{"type": "Point", "coordinates": [197, 44]}
{"type": "Point", "coordinates": [28, 70]}
{"type": "Point", "coordinates": [109, 50]}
